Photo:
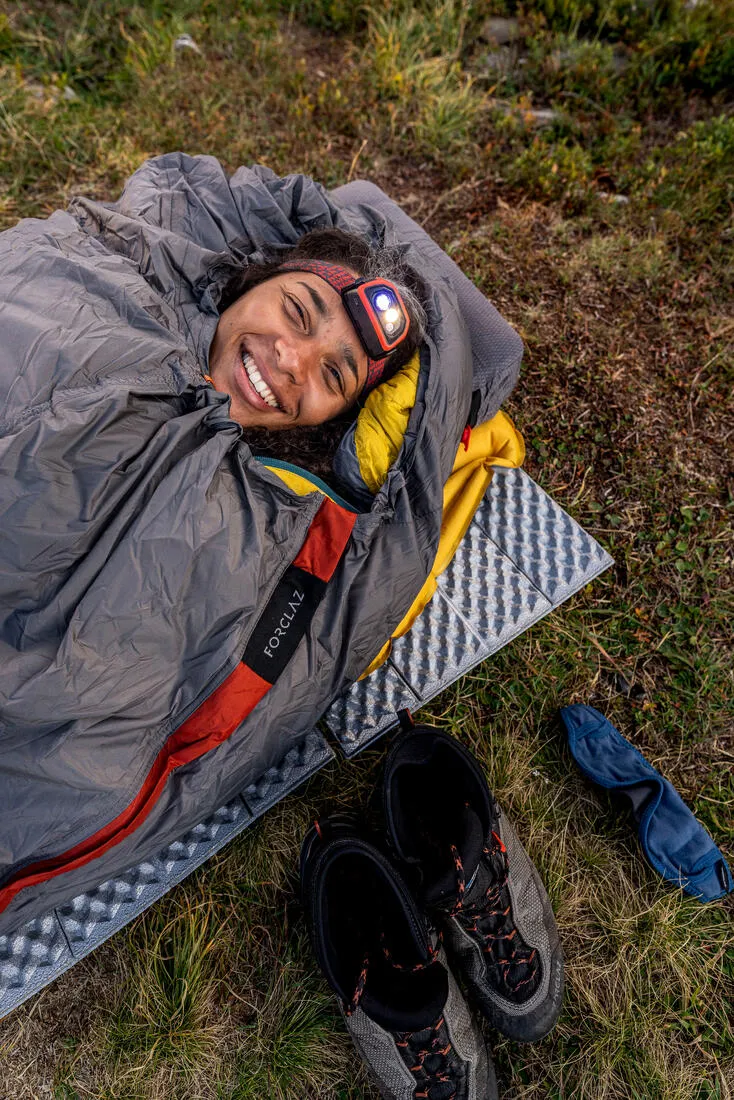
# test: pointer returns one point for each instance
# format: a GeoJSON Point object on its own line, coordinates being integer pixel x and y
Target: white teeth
{"type": "Point", "coordinates": [258, 381]}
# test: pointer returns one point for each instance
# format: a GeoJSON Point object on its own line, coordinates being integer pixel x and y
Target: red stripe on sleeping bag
{"type": "Point", "coordinates": [212, 722]}
{"type": "Point", "coordinates": [327, 536]}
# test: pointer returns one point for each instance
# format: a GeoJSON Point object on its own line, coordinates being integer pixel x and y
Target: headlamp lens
{"type": "Point", "coordinates": [383, 301]}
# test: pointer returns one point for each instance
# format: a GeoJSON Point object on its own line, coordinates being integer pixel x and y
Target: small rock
{"type": "Point", "coordinates": [186, 42]}
{"type": "Point", "coordinates": [560, 59]}
{"type": "Point", "coordinates": [622, 684]}
{"type": "Point", "coordinates": [498, 62]}
{"type": "Point", "coordinates": [500, 30]}
{"type": "Point", "coordinates": [621, 200]}
{"type": "Point", "coordinates": [35, 90]}
{"type": "Point", "coordinates": [632, 691]}
{"type": "Point", "coordinates": [620, 62]}
{"type": "Point", "coordinates": [69, 94]}
{"type": "Point", "coordinates": [541, 116]}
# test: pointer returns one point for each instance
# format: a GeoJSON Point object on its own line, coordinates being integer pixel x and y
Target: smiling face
{"type": "Point", "coordinates": [287, 354]}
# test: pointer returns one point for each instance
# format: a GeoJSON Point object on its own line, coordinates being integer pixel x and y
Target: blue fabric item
{"type": "Point", "coordinates": [675, 843]}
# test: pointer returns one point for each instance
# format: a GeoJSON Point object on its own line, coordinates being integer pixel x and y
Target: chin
{"type": "Point", "coordinates": [252, 418]}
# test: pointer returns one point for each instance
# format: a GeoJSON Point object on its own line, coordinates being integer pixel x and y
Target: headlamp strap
{"type": "Point", "coordinates": [338, 277]}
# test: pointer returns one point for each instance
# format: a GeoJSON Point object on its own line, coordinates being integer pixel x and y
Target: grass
{"type": "Point", "coordinates": [166, 1020]}
{"type": "Point", "coordinates": [603, 232]}
{"type": "Point", "coordinates": [295, 1047]}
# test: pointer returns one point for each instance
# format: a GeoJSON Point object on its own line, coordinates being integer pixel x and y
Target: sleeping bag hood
{"type": "Point", "coordinates": [173, 617]}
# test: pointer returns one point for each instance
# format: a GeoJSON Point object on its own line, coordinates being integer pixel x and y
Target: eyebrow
{"type": "Point", "coordinates": [318, 301]}
{"type": "Point", "coordinates": [324, 311]}
{"type": "Point", "coordinates": [350, 361]}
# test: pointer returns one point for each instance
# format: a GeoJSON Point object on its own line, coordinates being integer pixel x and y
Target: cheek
{"type": "Point", "coordinates": [235, 317]}
{"type": "Point", "coordinates": [318, 405]}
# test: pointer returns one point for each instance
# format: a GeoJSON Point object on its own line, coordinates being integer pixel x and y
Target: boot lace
{"type": "Point", "coordinates": [423, 1052]}
{"type": "Point", "coordinates": [428, 1059]}
{"type": "Point", "coordinates": [489, 919]}
{"type": "Point", "coordinates": [362, 978]}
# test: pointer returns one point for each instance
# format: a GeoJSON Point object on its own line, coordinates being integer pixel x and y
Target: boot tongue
{"type": "Point", "coordinates": [468, 839]}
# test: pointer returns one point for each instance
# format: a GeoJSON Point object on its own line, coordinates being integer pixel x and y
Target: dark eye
{"type": "Point", "coordinates": [300, 311]}
{"type": "Point", "coordinates": [336, 375]}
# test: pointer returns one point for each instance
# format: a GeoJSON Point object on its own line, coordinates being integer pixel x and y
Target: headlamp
{"type": "Point", "coordinates": [378, 314]}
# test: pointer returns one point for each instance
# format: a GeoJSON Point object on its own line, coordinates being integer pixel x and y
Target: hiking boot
{"type": "Point", "coordinates": [401, 1004]}
{"type": "Point", "coordinates": [470, 872]}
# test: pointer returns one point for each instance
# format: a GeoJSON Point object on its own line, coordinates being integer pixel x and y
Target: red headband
{"type": "Point", "coordinates": [340, 279]}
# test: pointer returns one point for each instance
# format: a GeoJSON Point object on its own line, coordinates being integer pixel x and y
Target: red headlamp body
{"type": "Point", "coordinates": [378, 313]}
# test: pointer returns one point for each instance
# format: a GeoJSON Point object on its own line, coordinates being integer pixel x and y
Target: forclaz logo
{"type": "Point", "coordinates": [283, 623]}
{"type": "Point", "coordinates": [286, 619]}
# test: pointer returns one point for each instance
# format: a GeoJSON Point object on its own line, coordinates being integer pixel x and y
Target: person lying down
{"type": "Point", "coordinates": [176, 613]}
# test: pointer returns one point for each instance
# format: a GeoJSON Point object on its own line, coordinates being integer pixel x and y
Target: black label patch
{"type": "Point", "coordinates": [283, 623]}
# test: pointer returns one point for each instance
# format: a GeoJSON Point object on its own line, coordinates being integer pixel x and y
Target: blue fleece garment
{"type": "Point", "coordinates": [675, 843]}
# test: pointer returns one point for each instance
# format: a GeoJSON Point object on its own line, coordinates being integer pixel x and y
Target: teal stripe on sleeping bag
{"type": "Point", "coordinates": [315, 481]}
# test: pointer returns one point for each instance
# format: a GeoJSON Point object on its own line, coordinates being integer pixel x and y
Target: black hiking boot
{"type": "Point", "coordinates": [470, 872]}
{"type": "Point", "coordinates": [401, 1004]}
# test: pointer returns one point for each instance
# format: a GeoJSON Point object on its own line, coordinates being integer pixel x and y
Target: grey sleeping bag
{"type": "Point", "coordinates": [146, 558]}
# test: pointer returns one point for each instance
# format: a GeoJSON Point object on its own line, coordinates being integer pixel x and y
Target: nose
{"type": "Point", "coordinates": [293, 359]}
